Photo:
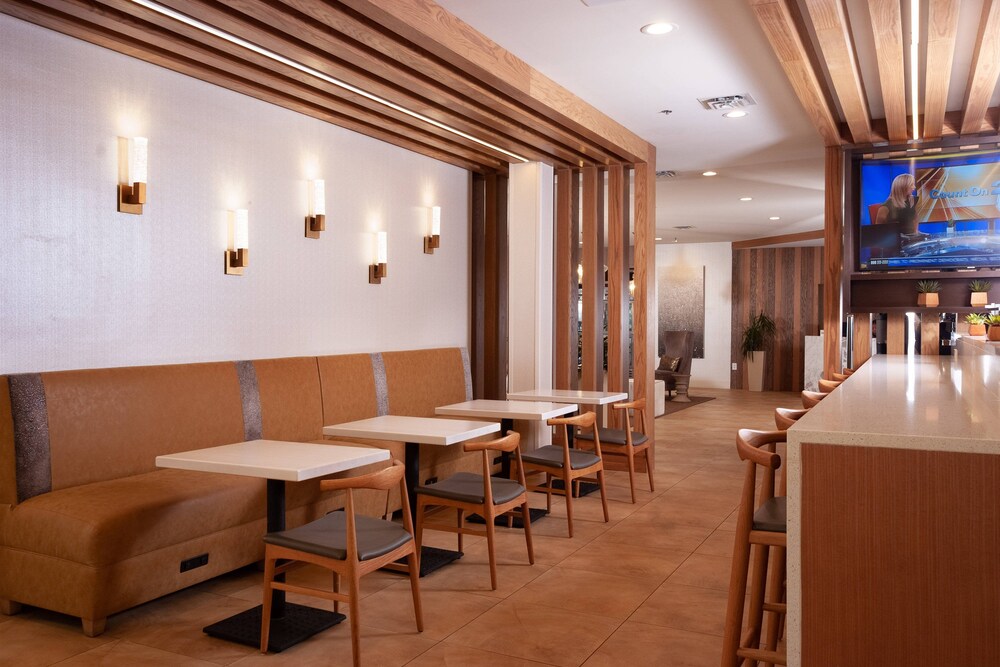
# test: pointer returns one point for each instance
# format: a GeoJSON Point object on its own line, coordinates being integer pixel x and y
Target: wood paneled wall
{"type": "Point", "coordinates": [785, 284]}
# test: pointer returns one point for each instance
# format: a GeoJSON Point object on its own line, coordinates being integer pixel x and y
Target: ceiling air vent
{"type": "Point", "coordinates": [666, 173]}
{"type": "Point", "coordinates": [727, 102]}
{"type": "Point", "coordinates": [683, 226]}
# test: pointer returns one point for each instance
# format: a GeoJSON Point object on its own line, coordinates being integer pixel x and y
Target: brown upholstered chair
{"type": "Point", "coordinates": [811, 398]}
{"type": "Point", "coordinates": [761, 523]}
{"type": "Point", "coordinates": [347, 544]}
{"type": "Point", "coordinates": [568, 464]}
{"type": "Point", "coordinates": [626, 442]}
{"type": "Point", "coordinates": [677, 345]}
{"type": "Point", "coordinates": [487, 496]}
{"type": "Point", "coordinates": [785, 417]}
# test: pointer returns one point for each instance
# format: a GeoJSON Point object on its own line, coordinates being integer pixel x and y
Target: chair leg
{"type": "Point", "coordinates": [461, 515]}
{"type": "Point", "coordinates": [737, 598]}
{"type": "Point", "coordinates": [773, 593]}
{"type": "Point", "coordinates": [568, 486]}
{"type": "Point", "coordinates": [491, 547]}
{"type": "Point", "coordinates": [418, 527]}
{"type": "Point", "coordinates": [649, 469]}
{"type": "Point", "coordinates": [759, 576]}
{"type": "Point", "coordinates": [548, 492]}
{"type": "Point", "coordinates": [336, 589]}
{"type": "Point", "coordinates": [630, 455]}
{"type": "Point", "coordinates": [265, 612]}
{"type": "Point", "coordinates": [604, 495]}
{"type": "Point", "coordinates": [414, 567]}
{"type": "Point", "coordinates": [526, 519]}
{"type": "Point", "coordinates": [355, 608]}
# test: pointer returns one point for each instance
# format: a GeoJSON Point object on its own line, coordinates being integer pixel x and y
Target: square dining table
{"type": "Point", "coordinates": [278, 462]}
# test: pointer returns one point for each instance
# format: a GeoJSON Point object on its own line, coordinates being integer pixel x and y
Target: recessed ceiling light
{"type": "Point", "coordinates": [675, 239]}
{"type": "Point", "coordinates": [658, 28]}
{"type": "Point", "coordinates": [709, 173]}
{"type": "Point", "coordinates": [746, 198]}
{"type": "Point", "coordinates": [774, 217]}
{"type": "Point", "coordinates": [659, 238]}
{"type": "Point", "coordinates": [736, 113]}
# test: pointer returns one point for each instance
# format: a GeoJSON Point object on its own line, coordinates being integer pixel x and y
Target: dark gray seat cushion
{"type": "Point", "coordinates": [328, 537]}
{"type": "Point", "coordinates": [552, 456]}
{"type": "Point", "coordinates": [771, 515]}
{"type": "Point", "coordinates": [614, 436]}
{"type": "Point", "coordinates": [468, 488]}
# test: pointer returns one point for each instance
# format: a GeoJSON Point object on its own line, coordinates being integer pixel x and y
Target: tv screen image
{"type": "Point", "coordinates": [929, 212]}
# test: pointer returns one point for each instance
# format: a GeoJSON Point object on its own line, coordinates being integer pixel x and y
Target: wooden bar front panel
{"type": "Point", "coordinates": [900, 557]}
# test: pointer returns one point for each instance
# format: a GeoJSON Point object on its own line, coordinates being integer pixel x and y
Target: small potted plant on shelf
{"type": "Point", "coordinates": [756, 336]}
{"type": "Point", "coordinates": [927, 293]}
{"type": "Point", "coordinates": [980, 292]}
{"type": "Point", "coordinates": [977, 324]}
{"type": "Point", "coordinates": [993, 333]}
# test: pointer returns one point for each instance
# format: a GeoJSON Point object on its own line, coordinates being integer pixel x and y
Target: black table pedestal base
{"type": "Point", "coordinates": [584, 488]}
{"type": "Point", "coordinates": [298, 623]}
{"type": "Point", "coordinates": [432, 558]}
{"type": "Point", "coordinates": [535, 513]}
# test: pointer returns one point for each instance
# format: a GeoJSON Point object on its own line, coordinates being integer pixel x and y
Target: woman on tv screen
{"type": "Point", "coordinates": [901, 206]}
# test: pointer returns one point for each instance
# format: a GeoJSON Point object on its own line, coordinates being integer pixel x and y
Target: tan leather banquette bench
{"type": "Point", "coordinates": [89, 526]}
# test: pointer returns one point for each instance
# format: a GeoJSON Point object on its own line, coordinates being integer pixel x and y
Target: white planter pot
{"type": "Point", "coordinates": [755, 371]}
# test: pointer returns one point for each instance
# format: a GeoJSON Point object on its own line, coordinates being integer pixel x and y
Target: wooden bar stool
{"type": "Point", "coordinates": [848, 371]}
{"type": "Point", "coordinates": [840, 377]}
{"type": "Point", "coordinates": [826, 386]}
{"type": "Point", "coordinates": [811, 398]}
{"type": "Point", "coordinates": [762, 523]}
{"type": "Point", "coordinates": [785, 417]}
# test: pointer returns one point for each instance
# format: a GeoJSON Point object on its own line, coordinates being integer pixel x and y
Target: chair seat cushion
{"type": "Point", "coordinates": [771, 515]}
{"type": "Point", "coordinates": [328, 537]}
{"type": "Point", "coordinates": [614, 436]}
{"type": "Point", "coordinates": [468, 488]}
{"type": "Point", "coordinates": [552, 457]}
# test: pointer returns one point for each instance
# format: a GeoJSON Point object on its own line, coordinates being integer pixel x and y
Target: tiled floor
{"type": "Point", "coordinates": [648, 588]}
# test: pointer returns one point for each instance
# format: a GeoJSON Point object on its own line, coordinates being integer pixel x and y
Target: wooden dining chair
{"type": "Point", "coordinates": [569, 464]}
{"type": "Point", "coordinates": [349, 545]}
{"type": "Point", "coordinates": [785, 417]}
{"type": "Point", "coordinates": [811, 398]}
{"type": "Point", "coordinates": [826, 386]}
{"type": "Point", "coordinates": [760, 526]}
{"type": "Point", "coordinates": [626, 442]}
{"type": "Point", "coordinates": [487, 496]}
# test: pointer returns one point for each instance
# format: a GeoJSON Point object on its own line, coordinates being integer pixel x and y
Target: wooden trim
{"type": "Point", "coordinates": [618, 296]}
{"type": "Point", "coordinates": [942, 30]}
{"type": "Point", "coordinates": [496, 288]}
{"type": "Point", "coordinates": [565, 282]}
{"type": "Point", "coordinates": [779, 25]}
{"type": "Point", "coordinates": [833, 247]}
{"type": "Point", "coordinates": [644, 337]}
{"type": "Point", "coordinates": [985, 69]}
{"type": "Point", "coordinates": [861, 350]}
{"type": "Point", "coordinates": [778, 240]}
{"type": "Point", "coordinates": [887, 25]}
{"type": "Point", "coordinates": [829, 20]}
{"type": "Point", "coordinates": [591, 376]}
{"type": "Point", "coordinates": [577, 259]}
{"type": "Point", "coordinates": [477, 257]}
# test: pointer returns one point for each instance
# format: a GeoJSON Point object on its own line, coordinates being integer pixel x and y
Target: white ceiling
{"type": "Point", "coordinates": [773, 155]}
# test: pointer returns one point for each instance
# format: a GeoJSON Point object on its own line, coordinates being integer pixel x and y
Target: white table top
{"type": "Point", "coordinates": [532, 410]}
{"type": "Point", "coordinates": [568, 396]}
{"type": "Point", "coordinates": [424, 430]}
{"type": "Point", "coordinates": [274, 459]}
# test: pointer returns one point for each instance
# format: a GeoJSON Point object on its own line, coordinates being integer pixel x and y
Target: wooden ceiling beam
{"type": "Point", "coordinates": [887, 26]}
{"type": "Point", "coordinates": [833, 32]}
{"type": "Point", "coordinates": [817, 234]}
{"type": "Point", "coordinates": [985, 69]}
{"type": "Point", "coordinates": [942, 30]}
{"type": "Point", "coordinates": [776, 20]}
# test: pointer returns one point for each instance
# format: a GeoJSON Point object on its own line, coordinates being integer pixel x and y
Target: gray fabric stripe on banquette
{"type": "Point", "coordinates": [250, 397]}
{"type": "Point", "coordinates": [32, 458]}
{"type": "Point", "coordinates": [467, 366]}
{"type": "Point", "coordinates": [381, 385]}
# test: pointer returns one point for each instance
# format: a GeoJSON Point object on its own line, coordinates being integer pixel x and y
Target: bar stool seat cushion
{"type": "Point", "coordinates": [552, 457]}
{"type": "Point", "coordinates": [614, 436]}
{"type": "Point", "coordinates": [771, 515]}
{"type": "Point", "coordinates": [468, 488]}
{"type": "Point", "coordinates": [328, 537]}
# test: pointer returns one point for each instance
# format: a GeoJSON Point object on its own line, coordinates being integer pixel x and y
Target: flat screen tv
{"type": "Point", "coordinates": [929, 212]}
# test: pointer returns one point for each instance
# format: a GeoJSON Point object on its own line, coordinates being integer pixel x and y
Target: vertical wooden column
{"type": "Point", "coordinates": [618, 296]}
{"type": "Point", "coordinates": [929, 333]}
{"type": "Point", "coordinates": [577, 259]}
{"type": "Point", "coordinates": [895, 334]}
{"type": "Point", "coordinates": [564, 316]}
{"type": "Point", "coordinates": [477, 255]}
{"type": "Point", "coordinates": [593, 282]}
{"type": "Point", "coordinates": [644, 302]}
{"type": "Point", "coordinates": [495, 287]}
{"type": "Point", "coordinates": [862, 335]}
{"type": "Point", "coordinates": [833, 246]}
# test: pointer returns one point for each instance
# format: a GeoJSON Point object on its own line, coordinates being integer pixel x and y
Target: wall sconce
{"type": "Point", "coordinates": [239, 242]}
{"type": "Point", "coordinates": [434, 240]}
{"type": "Point", "coordinates": [378, 270]}
{"type": "Point", "coordinates": [631, 283]}
{"type": "Point", "coordinates": [316, 220]}
{"type": "Point", "coordinates": [132, 194]}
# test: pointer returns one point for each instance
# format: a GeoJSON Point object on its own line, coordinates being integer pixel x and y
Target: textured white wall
{"type": "Point", "coordinates": [717, 258]}
{"type": "Point", "coordinates": [82, 285]}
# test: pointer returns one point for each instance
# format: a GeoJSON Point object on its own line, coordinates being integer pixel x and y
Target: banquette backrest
{"type": "Point", "coordinates": [420, 380]}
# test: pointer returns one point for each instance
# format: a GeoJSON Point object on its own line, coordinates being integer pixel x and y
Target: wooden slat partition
{"type": "Point", "coordinates": [564, 319]}
{"type": "Point", "coordinates": [592, 373]}
{"type": "Point", "coordinates": [644, 339]}
{"type": "Point", "coordinates": [895, 334]}
{"type": "Point", "coordinates": [618, 296]}
{"type": "Point", "coordinates": [929, 333]}
{"type": "Point", "coordinates": [833, 243]}
{"type": "Point", "coordinates": [496, 288]}
{"type": "Point", "coordinates": [861, 350]}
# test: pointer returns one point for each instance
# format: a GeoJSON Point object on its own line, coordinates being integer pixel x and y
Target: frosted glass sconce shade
{"type": "Point", "coordinates": [434, 240]}
{"type": "Point", "coordinates": [379, 270]}
{"type": "Point", "coordinates": [132, 194]}
{"type": "Point", "coordinates": [238, 253]}
{"type": "Point", "coordinates": [316, 219]}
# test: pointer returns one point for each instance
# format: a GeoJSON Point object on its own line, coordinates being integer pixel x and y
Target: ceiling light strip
{"type": "Point", "coordinates": [204, 27]}
{"type": "Point", "coordinates": [915, 65]}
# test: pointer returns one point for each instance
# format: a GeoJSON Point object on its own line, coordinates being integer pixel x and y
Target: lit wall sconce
{"type": "Point", "coordinates": [434, 240]}
{"type": "Point", "coordinates": [379, 270]}
{"type": "Point", "coordinates": [239, 242]}
{"type": "Point", "coordinates": [132, 194]}
{"type": "Point", "coordinates": [631, 283]}
{"type": "Point", "coordinates": [316, 220]}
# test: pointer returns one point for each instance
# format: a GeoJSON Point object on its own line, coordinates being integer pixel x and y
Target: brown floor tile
{"type": "Point", "coordinates": [511, 548]}
{"type": "Point", "coordinates": [444, 612]}
{"type": "Point", "coordinates": [535, 632]}
{"type": "Point", "coordinates": [606, 594]}
{"type": "Point", "coordinates": [626, 560]}
{"type": "Point", "coordinates": [35, 637]}
{"type": "Point", "coordinates": [126, 654]}
{"type": "Point", "coordinates": [453, 655]}
{"type": "Point", "coordinates": [704, 572]}
{"type": "Point", "coordinates": [471, 574]}
{"type": "Point", "coordinates": [719, 543]}
{"type": "Point", "coordinates": [657, 532]}
{"type": "Point", "coordinates": [640, 645]}
{"type": "Point", "coordinates": [685, 608]}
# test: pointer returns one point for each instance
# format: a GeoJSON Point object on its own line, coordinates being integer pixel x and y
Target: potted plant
{"type": "Point", "coordinates": [993, 333]}
{"type": "Point", "coordinates": [977, 324]}
{"type": "Point", "coordinates": [980, 292]}
{"type": "Point", "coordinates": [927, 293]}
{"type": "Point", "coordinates": [756, 336]}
